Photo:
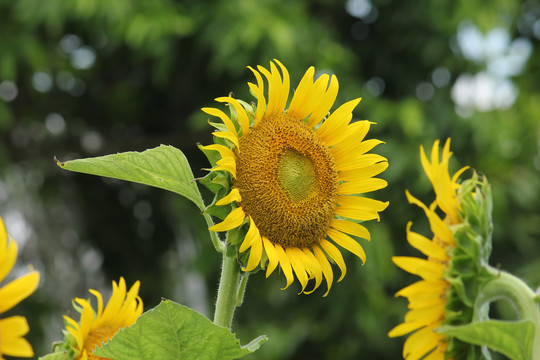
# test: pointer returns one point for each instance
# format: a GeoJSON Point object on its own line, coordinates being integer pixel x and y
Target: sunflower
{"type": "Point", "coordinates": [296, 176]}
{"type": "Point", "coordinates": [12, 329]}
{"type": "Point", "coordinates": [99, 327]}
{"type": "Point", "coordinates": [428, 297]}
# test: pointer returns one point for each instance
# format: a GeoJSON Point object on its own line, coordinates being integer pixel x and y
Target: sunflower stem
{"type": "Point", "coordinates": [227, 297]}
{"type": "Point", "coordinates": [507, 286]}
{"type": "Point", "coordinates": [218, 244]}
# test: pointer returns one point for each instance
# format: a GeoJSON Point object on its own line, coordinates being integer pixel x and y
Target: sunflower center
{"type": "Point", "coordinates": [96, 337]}
{"type": "Point", "coordinates": [288, 182]}
{"type": "Point", "coordinates": [296, 174]}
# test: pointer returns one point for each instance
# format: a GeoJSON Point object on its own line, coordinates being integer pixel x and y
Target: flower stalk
{"type": "Point", "coordinates": [506, 286]}
{"type": "Point", "coordinates": [229, 289]}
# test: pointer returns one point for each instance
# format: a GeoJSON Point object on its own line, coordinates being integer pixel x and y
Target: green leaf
{"type": "Point", "coordinates": [164, 167]}
{"type": "Point", "coordinates": [513, 339]}
{"type": "Point", "coordinates": [55, 356]}
{"type": "Point", "coordinates": [171, 331]}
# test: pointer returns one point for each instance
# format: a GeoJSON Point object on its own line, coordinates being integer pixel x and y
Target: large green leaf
{"type": "Point", "coordinates": [163, 167]}
{"type": "Point", "coordinates": [514, 339]}
{"type": "Point", "coordinates": [171, 331]}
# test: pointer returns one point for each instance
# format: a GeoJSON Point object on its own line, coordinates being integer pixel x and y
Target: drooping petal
{"type": "Point", "coordinates": [240, 113]}
{"type": "Point", "coordinates": [348, 243]}
{"type": "Point", "coordinates": [325, 266]}
{"type": "Point", "coordinates": [234, 195]}
{"type": "Point", "coordinates": [253, 235]}
{"type": "Point", "coordinates": [285, 265]}
{"type": "Point", "coordinates": [271, 253]}
{"type": "Point", "coordinates": [233, 220]}
{"type": "Point", "coordinates": [298, 266]}
{"type": "Point", "coordinates": [334, 254]}
{"type": "Point", "coordinates": [351, 228]}
{"type": "Point", "coordinates": [254, 255]}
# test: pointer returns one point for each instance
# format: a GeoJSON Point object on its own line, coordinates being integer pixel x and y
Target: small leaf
{"type": "Point", "coordinates": [513, 339]}
{"type": "Point", "coordinates": [171, 331]}
{"type": "Point", "coordinates": [63, 355]}
{"type": "Point", "coordinates": [164, 167]}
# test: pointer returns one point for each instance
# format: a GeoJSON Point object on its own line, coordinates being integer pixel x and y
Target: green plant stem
{"type": "Point", "coordinates": [227, 298]}
{"type": "Point", "coordinates": [507, 286]}
{"type": "Point", "coordinates": [218, 244]}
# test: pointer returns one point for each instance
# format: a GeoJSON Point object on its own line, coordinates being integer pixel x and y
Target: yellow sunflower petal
{"type": "Point", "coordinates": [285, 265]}
{"type": "Point", "coordinates": [405, 328]}
{"type": "Point", "coordinates": [298, 266]}
{"type": "Point", "coordinates": [259, 93]}
{"type": "Point", "coordinates": [333, 129]}
{"type": "Point", "coordinates": [224, 117]}
{"type": "Point", "coordinates": [325, 103]}
{"type": "Point", "coordinates": [317, 92]}
{"type": "Point", "coordinates": [274, 87]}
{"type": "Point", "coordinates": [361, 186]}
{"type": "Point", "coordinates": [17, 290]}
{"type": "Point", "coordinates": [360, 162]}
{"type": "Point", "coordinates": [240, 113]}
{"type": "Point", "coordinates": [423, 286]}
{"type": "Point", "coordinates": [224, 151]}
{"type": "Point", "coordinates": [424, 268]}
{"type": "Point", "coordinates": [359, 208]}
{"type": "Point", "coordinates": [348, 243]}
{"type": "Point", "coordinates": [325, 266]}
{"type": "Point", "coordinates": [12, 330]}
{"type": "Point", "coordinates": [420, 343]}
{"type": "Point", "coordinates": [343, 153]}
{"type": "Point", "coordinates": [234, 195]}
{"type": "Point", "coordinates": [351, 228]}
{"type": "Point", "coordinates": [233, 220]}
{"type": "Point", "coordinates": [271, 253]}
{"type": "Point", "coordinates": [253, 235]}
{"type": "Point", "coordinates": [285, 87]}
{"type": "Point", "coordinates": [296, 109]}
{"type": "Point", "coordinates": [8, 254]}
{"type": "Point", "coordinates": [334, 254]}
{"type": "Point", "coordinates": [99, 298]}
{"type": "Point", "coordinates": [227, 164]}
{"type": "Point", "coordinates": [315, 268]}
{"type": "Point", "coordinates": [426, 246]}
{"type": "Point", "coordinates": [438, 226]}
{"type": "Point", "coordinates": [254, 255]}
{"type": "Point", "coordinates": [227, 135]}
{"type": "Point", "coordinates": [427, 315]}
{"type": "Point", "coordinates": [363, 173]}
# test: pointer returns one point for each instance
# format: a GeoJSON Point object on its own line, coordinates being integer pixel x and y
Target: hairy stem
{"type": "Point", "coordinates": [227, 298]}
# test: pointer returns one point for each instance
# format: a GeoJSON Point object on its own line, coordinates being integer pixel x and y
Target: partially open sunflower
{"type": "Point", "coordinates": [296, 175]}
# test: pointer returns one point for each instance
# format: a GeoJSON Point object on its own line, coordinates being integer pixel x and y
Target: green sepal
{"type": "Point", "coordinates": [63, 350]}
{"type": "Point", "coordinates": [467, 270]}
{"type": "Point", "coordinates": [171, 331]}
{"type": "Point", "coordinates": [513, 339]}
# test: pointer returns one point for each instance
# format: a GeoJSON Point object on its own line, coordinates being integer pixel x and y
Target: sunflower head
{"type": "Point", "coordinates": [290, 177]}
{"type": "Point", "coordinates": [97, 326]}
{"type": "Point", "coordinates": [460, 219]}
{"type": "Point", "coordinates": [13, 328]}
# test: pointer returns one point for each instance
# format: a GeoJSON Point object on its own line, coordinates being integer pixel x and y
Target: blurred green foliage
{"type": "Point", "coordinates": [82, 78]}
